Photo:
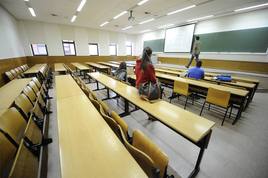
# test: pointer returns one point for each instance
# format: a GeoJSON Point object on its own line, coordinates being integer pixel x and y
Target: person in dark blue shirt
{"type": "Point", "coordinates": [196, 72]}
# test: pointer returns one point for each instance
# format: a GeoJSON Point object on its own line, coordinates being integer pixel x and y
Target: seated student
{"type": "Point", "coordinates": [121, 72]}
{"type": "Point", "coordinates": [196, 72]}
{"type": "Point", "coordinates": [144, 69]}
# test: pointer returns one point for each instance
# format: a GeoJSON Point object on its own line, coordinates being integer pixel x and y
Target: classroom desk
{"type": "Point", "coordinates": [34, 70]}
{"type": "Point", "coordinates": [11, 90]}
{"type": "Point", "coordinates": [118, 62]}
{"type": "Point", "coordinates": [238, 96]}
{"type": "Point", "coordinates": [115, 62]}
{"type": "Point", "coordinates": [88, 146]}
{"type": "Point", "coordinates": [81, 68]}
{"type": "Point", "coordinates": [99, 67]}
{"type": "Point", "coordinates": [251, 87]}
{"type": "Point", "coordinates": [109, 64]}
{"type": "Point", "coordinates": [191, 126]}
{"type": "Point", "coordinates": [59, 67]}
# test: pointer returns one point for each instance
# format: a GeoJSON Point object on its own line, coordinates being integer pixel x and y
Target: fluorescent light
{"type": "Point", "coordinates": [200, 18]}
{"type": "Point", "coordinates": [32, 11]}
{"type": "Point", "coordinates": [144, 31]}
{"type": "Point", "coordinates": [146, 21]}
{"type": "Point", "coordinates": [104, 24]}
{"type": "Point", "coordinates": [81, 5]}
{"type": "Point", "coordinates": [26, 0]}
{"type": "Point", "coordinates": [73, 18]}
{"type": "Point", "coordinates": [251, 7]}
{"type": "Point", "coordinates": [180, 10]}
{"type": "Point", "coordinates": [119, 15]}
{"type": "Point", "coordinates": [142, 2]}
{"type": "Point", "coordinates": [166, 26]}
{"type": "Point", "coordinates": [128, 27]}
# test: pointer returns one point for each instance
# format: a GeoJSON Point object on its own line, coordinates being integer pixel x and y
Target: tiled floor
{"type": "Point", "coordinates": [234, 151]}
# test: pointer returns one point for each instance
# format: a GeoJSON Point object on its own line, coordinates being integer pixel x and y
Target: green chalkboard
{"type": "Point", "coordinates": [249, 40]}
{"type": "Point", "coordinates": [156, 45]}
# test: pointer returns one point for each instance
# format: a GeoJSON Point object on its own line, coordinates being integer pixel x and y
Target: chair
{"type": "Point", "coordinates": [37, 82]}
{"type": "Point", "coordinates": [181, 88]}
{"type": "Point", "coordinates": [34, 87]}
{"type": "Point", "coordinates": [14, 73]}
{"type": "Point", "coordinates": [33, 132]}
{"type": "Point", "coordinates": [23, 104]}
{"type": "Point", "coordinates": [219, 98]}
{"type": "Point", "coordinates": [26, 164]}
{"type": "Point", "coordinates": [96, 104]}
{"type": "Point", "coordinates": [30, 94]}
{"type": "Point", "coordinates": [145, 162]}
{"type": "Point", "coordinates": [144, 144]}
{"type": "Point", "coordinates": [121, 123]}
{"type": "Point", "coordinates": [114, 126]}
{"type": "Point", "coordinates": [105, 107]}
{"type": "Point", "coordinates": [13, 123]}
{"type": "Point", "coordinates": [9, 75]}
{"type": "Point", "coordinates": [7, 154]}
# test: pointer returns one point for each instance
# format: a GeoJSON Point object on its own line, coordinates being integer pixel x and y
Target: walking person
{"type": "Point", "coordinates": [195, 51]}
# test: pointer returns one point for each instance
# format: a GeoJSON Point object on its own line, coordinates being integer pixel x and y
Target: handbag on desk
{"type": "Point", "coordinates": [150, 91]}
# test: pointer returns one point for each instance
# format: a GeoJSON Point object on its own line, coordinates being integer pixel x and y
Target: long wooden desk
{"type": "Point", "coordinates": [251, 87]}
{"type": "Point", "coordinates": [99, 67]}
{"type": "Point", "coordinates": [11, 90]}
{"type": "Point", "coordinates": [118, 62]}
{"type": "Point", "coordinates": [191, 126]}
{"type": "Point", "coordinates": [88, 147]}
{"type": "Point", "coordinates": [81, 68]}
{"type": "Point", "coordinates": [34, 70]}
{"type": "Point", "coordinates": [59, 67]}
{"type": "Point", "coordinates": [109, 64]}
{"type": "Point", "coordinates": [238, 96]}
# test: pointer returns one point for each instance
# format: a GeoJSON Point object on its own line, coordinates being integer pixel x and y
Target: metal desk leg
{"type": "Point", "coordinates": [241, 108]}
{"type": "Point", "coordinates": [126, 112]}
{"type": "Point", "coordinates": [108, 95]}
{"type": "Point", "coordinates": [203, 144]}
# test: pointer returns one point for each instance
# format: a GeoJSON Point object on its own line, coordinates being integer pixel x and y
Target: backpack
{"type": "Point", "coordinates": [150, 91]}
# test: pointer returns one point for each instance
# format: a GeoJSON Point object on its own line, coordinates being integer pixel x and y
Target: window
{"type": "Point", "coordinates": [93, 49]}
{"type": "Point", "coordinates": [39, 49]}
{"type": "Point", "coordinates": [68, 48]}
{"type": "Point", "coordinates": [113, 49]}
{"type": "Point", "coordinates": [129, 49]}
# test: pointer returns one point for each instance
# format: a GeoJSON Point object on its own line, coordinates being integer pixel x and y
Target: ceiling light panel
{"type": "Point", "coordinates": [146, 21]}
{"type": "Point", "coordinates": [180, 10]}
{"type": "Point", "coordinates": [81, 5]}
{"type": "Point", "coordinates": [119, 15]}
{"type": "Point", "coordinates": [105, 23]}
{"type": "Point", "coordinates": [32, 11]}
{"type": "Point", "coordinates": [142, 2]}
{"type": "Point", "coordinates": [251, 7]}
{"type": "Point", "coordinates": [126, 28]}
{"type": "Point", "coordinates": [73, 18]}
{"type": "Point", "coordinates": [200, 18]}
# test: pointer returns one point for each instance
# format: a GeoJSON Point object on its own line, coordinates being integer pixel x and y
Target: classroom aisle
{"type": "Point", "coordinates": [234, 151]}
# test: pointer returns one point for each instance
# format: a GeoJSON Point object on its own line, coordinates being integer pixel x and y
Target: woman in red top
{"type": "Point", "coordinates": [144, 69]}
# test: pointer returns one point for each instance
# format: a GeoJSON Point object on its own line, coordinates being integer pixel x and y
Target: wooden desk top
{"type": "Point", "coordinates": [184, 122]}
{"type": "Point", "coordinates": [35, 69]}
{"type": "Point", "coordinates": [175, 71]}
{"type": "Point", "coordinates": [59, 67]}
{"type": "Point", "coordinates": [70, 87]}
{"type": "Point", "coordinates": [97, 65]}
{"type": "Point", "coordinates": [208, 77]}
{"type": "Point", "coordinates": [80, 66]}
{"type": "Point", "coordinates": [115, 62]}
{"type": "Point", "coordinates": [88, 146]}
{"type": "Point", "coordinates": [168, 71]}
{"type": "Point", "coordinates": [233, 83]}
{"type": "Point", "coordinates": [109, 64]}
{"type": "Point", "coordinates": [2, 111]}
{"type": "Point", "coordinates": [11, 90]}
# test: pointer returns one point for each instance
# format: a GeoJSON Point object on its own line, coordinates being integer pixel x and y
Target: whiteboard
{"type": "Point", "coordinates": [179, 39]}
